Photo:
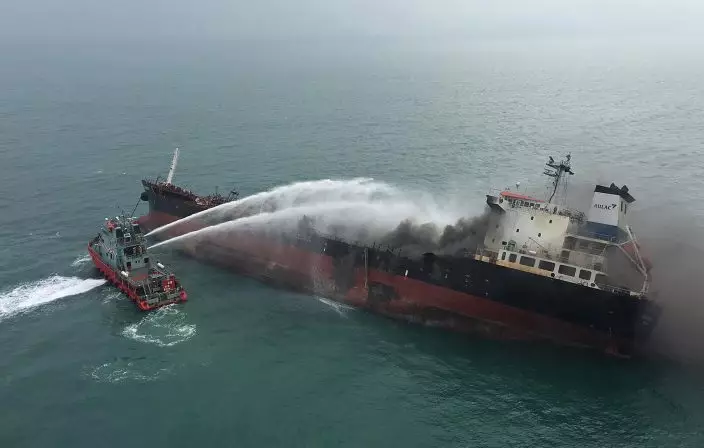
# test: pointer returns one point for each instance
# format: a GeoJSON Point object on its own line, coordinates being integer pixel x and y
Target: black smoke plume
{"type": "Point", "coordinates": [415, 239]}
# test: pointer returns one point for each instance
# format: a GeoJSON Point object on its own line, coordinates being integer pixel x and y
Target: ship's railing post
{"type": "Point", "coordinates": [366, 268]}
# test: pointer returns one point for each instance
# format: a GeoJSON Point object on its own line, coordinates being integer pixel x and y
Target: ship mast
{"type": "Point", "coordinates": [174, 161]}
{"type": "Point", "coordinates": [557, 172]}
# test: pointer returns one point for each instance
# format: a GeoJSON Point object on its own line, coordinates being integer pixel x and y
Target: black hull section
{"type": "Point", "coordinates": [170, 203]}
{"type": "Point", "coordinates": [619, 315]}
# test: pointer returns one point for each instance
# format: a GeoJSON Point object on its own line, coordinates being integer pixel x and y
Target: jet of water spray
{"type": "Point", "coordinates": [285, 196]}
{"type": "Point", "coordinates": [349, 220]}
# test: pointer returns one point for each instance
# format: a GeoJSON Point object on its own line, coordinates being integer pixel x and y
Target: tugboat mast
{"type": "Point", "coordinates": [557, 172]}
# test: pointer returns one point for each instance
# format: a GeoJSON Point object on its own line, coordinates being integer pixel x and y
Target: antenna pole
{"type": "Point", "coordinates": [557, 172]}
{"type": "Point", "coordinates": [174, 161]}
{"type": "Point", "coordinates": [135, 207]}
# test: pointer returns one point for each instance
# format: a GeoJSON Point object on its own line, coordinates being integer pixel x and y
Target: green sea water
{"type": "Point", "coordinates": [242, 364]}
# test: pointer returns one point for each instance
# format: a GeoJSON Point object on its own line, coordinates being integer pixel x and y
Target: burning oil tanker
{"type": "Point", "coordinates": [538, 270]}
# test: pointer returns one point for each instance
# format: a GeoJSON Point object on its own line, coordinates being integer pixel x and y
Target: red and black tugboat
{"type": "Point", "coordinates": [540, 271]}
{"type": "Point", "coordinates": [120, 253]}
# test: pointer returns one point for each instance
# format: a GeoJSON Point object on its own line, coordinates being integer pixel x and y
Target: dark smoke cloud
{"type": "Point", "coordinates": [416, 239]}
{"type": "Point", "coordinates": [677, 255]}
{"type": "Point", "coordinates": [671, 237]}
{"type": "Point", "coordinates": [677, 283]}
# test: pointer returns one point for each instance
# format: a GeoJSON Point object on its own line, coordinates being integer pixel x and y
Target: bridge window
{"type": "Point", "coordinates": [512, 258]}
{"type": "Point", "coordinates": [585, 274]}
{"type": "Point", "coordinates": [567, 270]}
{"type": "Point", "coordinates": [146, 260]}
{"type": "Point", "coordinates": [546, 265]}
{"type": "Point", "coordinates": [527, 261]}
{"type": "Point", "coordinates": [600, 279]}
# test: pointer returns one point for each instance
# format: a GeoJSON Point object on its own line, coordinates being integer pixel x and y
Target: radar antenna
{"type": "Point", "coordinates": [557, 172]}
{"type": "Point", "coordinates": [174, 161]}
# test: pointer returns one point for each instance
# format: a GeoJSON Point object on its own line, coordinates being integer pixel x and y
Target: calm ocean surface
{"type": "Point", "coordinates": [244, 365]}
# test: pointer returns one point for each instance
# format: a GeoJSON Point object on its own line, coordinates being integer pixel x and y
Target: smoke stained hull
{"type": "Point", "coordinates": [458, 293]}
{"type": "Point", "coordinates": [436, 268]}
{"type": "Point", "coordinates": [677, 283]}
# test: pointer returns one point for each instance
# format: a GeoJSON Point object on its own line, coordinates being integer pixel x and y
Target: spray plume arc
{"type": "Point", "coordinates": [286, 196]}
{"type": "Point", "coordinates": [355, 220]}
{"type": "Point", "coordinates": [309, 193]}
{"type": "Point", "coordinates": [259, 219]}
{"type": "Point", "coordinates": [360, 209]}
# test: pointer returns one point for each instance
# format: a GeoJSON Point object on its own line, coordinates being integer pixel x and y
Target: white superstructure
{"type": "Point", "coordinates": [545, 238]}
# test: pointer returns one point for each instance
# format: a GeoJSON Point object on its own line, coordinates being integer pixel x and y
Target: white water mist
{"type": "Point", "coordinates": [348, 208]}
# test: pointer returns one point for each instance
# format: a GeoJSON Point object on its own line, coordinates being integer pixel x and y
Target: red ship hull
{"type": "Point", "coordinates": [416, 301]}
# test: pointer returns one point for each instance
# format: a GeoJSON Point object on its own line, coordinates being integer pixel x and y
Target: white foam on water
{"type": "Point", "coordinates": [112, 295]}
{"type": "Point", "coordinates": [120, 371]}
{"type": "Point", "coordinates": [164, 327]}
{"type": "Point", "coordinates": [340, 308]}
{"type": "Point", "coordinates": [80, 261]}
{"type": "Point", "coordinates": [27, 296]}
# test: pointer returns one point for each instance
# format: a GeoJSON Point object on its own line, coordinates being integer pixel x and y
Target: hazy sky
{"type": "Point", "coordinates": [320, 18]}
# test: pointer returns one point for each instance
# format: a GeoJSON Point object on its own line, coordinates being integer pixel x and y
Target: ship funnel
{"type": "Point", "coordinates": [607, 215]}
